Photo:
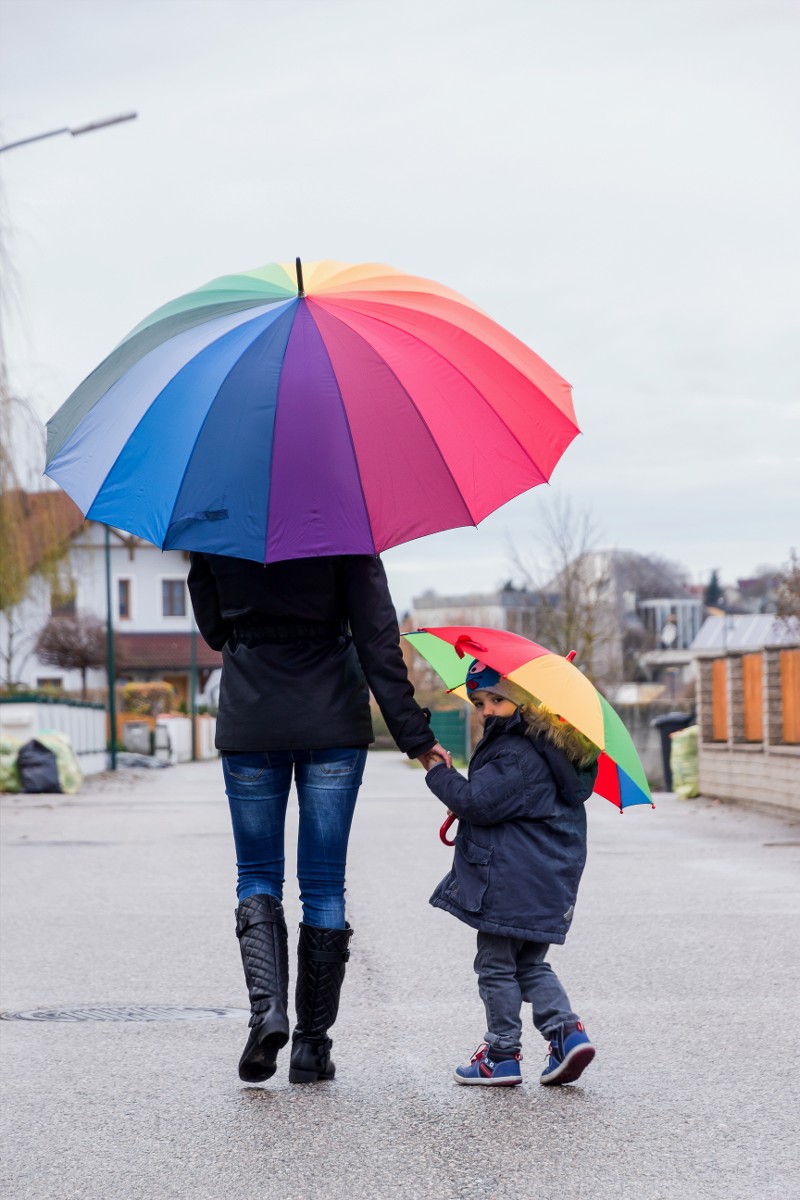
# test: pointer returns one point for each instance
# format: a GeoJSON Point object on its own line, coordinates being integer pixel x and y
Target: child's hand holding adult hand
{"type": "Point", "coordinates": [435, 755]}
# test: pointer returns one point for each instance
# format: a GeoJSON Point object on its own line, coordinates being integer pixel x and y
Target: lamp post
{"type": "Point", "coordinates": [75, 131]}
{"type": "Point", "coordinates": [111, 670]}
{"type": "Point", "coordinates": [193, 685]}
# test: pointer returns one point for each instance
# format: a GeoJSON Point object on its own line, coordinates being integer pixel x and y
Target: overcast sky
{"type": "Point", "coordinates": [617, 183]}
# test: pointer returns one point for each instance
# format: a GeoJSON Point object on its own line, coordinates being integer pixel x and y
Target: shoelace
{"type": "Point", "coordinates": [553, 1052]}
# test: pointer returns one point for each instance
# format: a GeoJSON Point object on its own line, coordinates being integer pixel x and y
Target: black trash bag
{"type": "Point", "coordinates": [38, 769]}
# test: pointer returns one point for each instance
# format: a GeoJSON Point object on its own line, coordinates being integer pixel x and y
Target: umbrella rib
{"type": "Point", "coordinates": [199, 432]}
{"type": "Point", "coordinates": [458, 302]}
{"type": "Point", "coordinates": [384, 320]}
{"type": "Point", "coordinates": [347, 426]}
{"type": "Point", "coordinates": [152, 337]}
{"type": "Point", "coordinates": [410, 398]}
{"type": "Point", "coordinates": [272, 447]}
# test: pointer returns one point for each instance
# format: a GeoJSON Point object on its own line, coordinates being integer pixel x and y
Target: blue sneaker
{"type": "Point", "coordinates": [483, 1069]}
{"type": "Point", "coordinates": [570, 1053]}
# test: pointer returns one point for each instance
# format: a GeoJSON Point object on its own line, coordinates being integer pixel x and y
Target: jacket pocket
{"type": "Point", "coordinates": [470, 874]}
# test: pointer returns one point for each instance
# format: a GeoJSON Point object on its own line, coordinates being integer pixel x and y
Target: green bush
{"type": "Point", "coordinates": [148, 699]}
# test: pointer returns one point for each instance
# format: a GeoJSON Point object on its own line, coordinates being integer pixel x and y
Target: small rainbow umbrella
{"type": "Point", "coordinates": [550, 680]}
{"type": "Point", "coordinates": [294, 411]}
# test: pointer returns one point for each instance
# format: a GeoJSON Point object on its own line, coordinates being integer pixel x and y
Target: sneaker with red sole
{"type": "Point", "coordinates": [484, 1069]}
{"type": "Point", "coordinates": [570, 1053]}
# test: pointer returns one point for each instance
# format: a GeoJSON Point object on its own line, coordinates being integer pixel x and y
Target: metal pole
{"type": "Point", "coordinates": [193, 688]}
{"type": "Point", "coordinates": [111, 669]}
{"type": "Point", "coordinates": [74, 130]}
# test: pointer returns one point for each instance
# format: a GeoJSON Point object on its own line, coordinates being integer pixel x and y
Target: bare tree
{"type": "Point", "coordinates": [571, 580]}
{"type": "Point", "coordinates": [760, 590]}
{"type": "Point", "coordinates": [74, 644]}
{"type": "Point", "coordinates": [14, 556]}
{"type": "Point", "coordinates": [655, 577]}
{"type": "Point", "coordinates": [588, 598]}
{"type": "Point", "coordinates": [788, 590]}
{"type": "Point", "coordinates": [32, 538]}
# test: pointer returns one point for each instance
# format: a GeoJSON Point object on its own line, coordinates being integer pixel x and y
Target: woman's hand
{"type": "Point", "coordinates": [435, 755]}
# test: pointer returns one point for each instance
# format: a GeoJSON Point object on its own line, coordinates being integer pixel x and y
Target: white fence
{"type": "Point", "coordinates": [179, 738]}
{"type": "Point", "coordinates": [171, 740]}
{"type": "Point", "coordinates": [84, 725]}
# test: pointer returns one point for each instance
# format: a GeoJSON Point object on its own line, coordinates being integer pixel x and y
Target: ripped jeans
{"type": "Point", "coordinates": [258, 786]}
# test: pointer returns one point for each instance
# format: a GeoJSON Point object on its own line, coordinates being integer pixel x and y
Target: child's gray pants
{"type": "Point", "coordinates": [509, 971]}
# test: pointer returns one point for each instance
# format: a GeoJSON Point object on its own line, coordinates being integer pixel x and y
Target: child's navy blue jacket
{"type": "Point", "coordinates": [521, 844]}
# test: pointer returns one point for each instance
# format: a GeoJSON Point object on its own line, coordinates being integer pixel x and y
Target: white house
{"type": "Point", "coordinates": [150, 610]}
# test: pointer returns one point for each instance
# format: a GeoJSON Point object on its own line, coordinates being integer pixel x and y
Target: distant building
{"type": "Point", "coordinates": [643, 619]}
{"type": "Point", "coordinates": [508, 608]}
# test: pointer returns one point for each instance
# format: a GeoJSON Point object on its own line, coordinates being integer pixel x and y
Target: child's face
{"type": "Point", "coordinates": [489, 704]}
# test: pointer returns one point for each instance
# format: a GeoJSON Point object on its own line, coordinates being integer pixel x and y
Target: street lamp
{"type": "Point", "coordinates": [73, 130]}
{"type": "Point", "coordinates": [111, 669]}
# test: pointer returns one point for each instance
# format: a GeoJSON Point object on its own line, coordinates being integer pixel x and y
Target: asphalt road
{"type": "Point", "coordinates": [683, 961]}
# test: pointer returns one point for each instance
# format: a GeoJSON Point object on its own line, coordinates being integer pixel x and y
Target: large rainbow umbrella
{"type": "Point", "coordinates": [293, 411]}
{"type": "Point", "coordinates": [551, 680]}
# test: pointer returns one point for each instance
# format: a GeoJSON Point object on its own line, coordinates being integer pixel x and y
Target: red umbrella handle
{"type": "Point", "coordinates": [448, 821]}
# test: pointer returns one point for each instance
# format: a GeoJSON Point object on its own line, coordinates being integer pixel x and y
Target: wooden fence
{"type": "Point", "coordinates": [790, 695]}
{"type": "Point", "coordinates": [741, 711]}
{"type": "Point", "coordinates": [719, 677]}
{"type": "Point", "coordinates": [753, 696]}
{"type": "Point", "coordinates": [749, 719]}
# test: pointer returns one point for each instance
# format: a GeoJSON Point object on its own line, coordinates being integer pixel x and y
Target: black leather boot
{"type": "Point", "coordinates": [321, 958]}
{"type": "Point", "coordinates": [261, 930]}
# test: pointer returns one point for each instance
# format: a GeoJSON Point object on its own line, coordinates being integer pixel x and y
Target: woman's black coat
{"type": "Point", "coordinates": [302, 643]}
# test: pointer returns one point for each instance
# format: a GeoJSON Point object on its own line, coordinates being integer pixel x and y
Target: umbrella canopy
{"type": "Point", "coordinates": [293, 411]}
{"type": "Point", "coordinates": [551, 680]}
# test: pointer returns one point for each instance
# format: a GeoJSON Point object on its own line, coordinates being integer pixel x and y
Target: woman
{"type": "Point", "coordinates": [303, 642]}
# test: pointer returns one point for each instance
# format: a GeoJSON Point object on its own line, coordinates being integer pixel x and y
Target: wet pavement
{"type": "Point", "coordinates": [118, 903]}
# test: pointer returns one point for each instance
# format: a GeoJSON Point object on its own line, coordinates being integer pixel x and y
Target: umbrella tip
{"type": "Point", "coordinates": [299, 269]}
{"type": "Point", "coordinates": [572, 653]}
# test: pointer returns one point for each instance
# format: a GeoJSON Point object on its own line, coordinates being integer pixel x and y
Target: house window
{"type": "Point", "coordinates": [62, 601]}
{"type": "Point", "coordinates": [124, 599]}
{"type": "Point", "coordinates": [173, 597]}
{"type": "Point", "coordinates": [50, 683]}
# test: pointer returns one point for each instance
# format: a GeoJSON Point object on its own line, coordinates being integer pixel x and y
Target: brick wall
{"type": "Point", "coordinates": [751, 774]}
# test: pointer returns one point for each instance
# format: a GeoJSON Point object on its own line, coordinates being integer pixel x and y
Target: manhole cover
{"type": "Point", "coordinates": [125, 1012]}
{"type": "Point", "coordinates": [25, 842]}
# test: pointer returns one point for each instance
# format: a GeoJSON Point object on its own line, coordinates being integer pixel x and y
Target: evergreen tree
{"type": "Point", "coordinates": [713, 593]}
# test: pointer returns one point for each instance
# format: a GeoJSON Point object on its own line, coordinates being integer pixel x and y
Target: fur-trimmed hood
{"type": "Point", "coordinates": [542, 723]}
{"type": "Point", "coordinates": [560, 745]}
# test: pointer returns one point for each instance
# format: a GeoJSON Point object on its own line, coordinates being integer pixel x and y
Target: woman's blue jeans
{"type": "Point", "coordinates": [258, 787]}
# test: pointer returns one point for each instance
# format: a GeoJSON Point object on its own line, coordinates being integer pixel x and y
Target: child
{"type": "Point", "coordinates": [519, 856]}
